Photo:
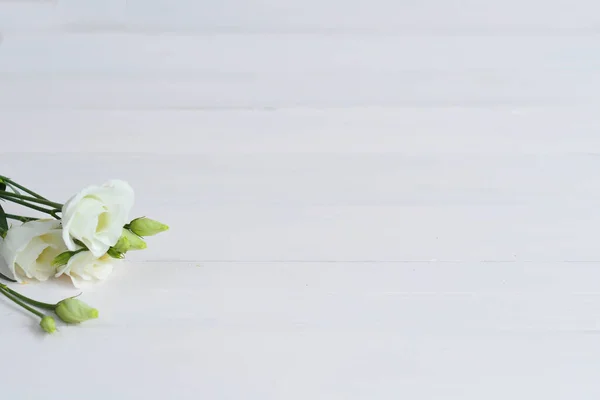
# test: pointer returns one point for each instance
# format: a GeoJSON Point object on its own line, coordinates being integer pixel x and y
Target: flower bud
{"type": "Point", "coordinates": [73, 311]}
{"type": "Point", "coordinates": [48, 324]}
{"type": "Point", "coordinates": [122, 245]}
{"type": "Point", "coordinates": [114, 253]}
{"type": "Point", "coordinates": [147, 227]}
{"type": "Point", "coordinates": [135, 242]}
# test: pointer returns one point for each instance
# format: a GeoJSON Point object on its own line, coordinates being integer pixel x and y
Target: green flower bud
{"type": "Point", "coordinates": [48, 324]}
{"type": "Point", "coordinates": [122, 245]}
{"type": "Point", "coordinates": [114, 253]}
{"type": "Point", "coordinates": [135, 242]}
{"type": "Point", "coordinates": [147, 227]}
{"type": "Point", "coordinates": [73, 311]}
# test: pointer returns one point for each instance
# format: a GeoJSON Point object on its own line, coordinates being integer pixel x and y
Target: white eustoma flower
{"type": "Point", "coordinates": [84, 266]}
{"type": "Point", "coordinates": [96, 216]}
{"type": "Point", "coordinates": [29, 249]}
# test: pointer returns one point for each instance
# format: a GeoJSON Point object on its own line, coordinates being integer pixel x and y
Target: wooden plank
{"type": "Point", "coordinates": [428, 131]}
{"type": "Point", "coordinates": [342, 331]}
{"type": "Point", "coordinates": [124, 71]}
{"type": "Point", "coordinates": [348, 207]}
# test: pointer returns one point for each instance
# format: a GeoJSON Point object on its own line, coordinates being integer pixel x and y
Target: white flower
{"type": "Point", "coordinates": [96, 216]}
{"type": "Point", "coordinates": [85, 266]}
{"type": "Point", "coordinates": [29, 249]}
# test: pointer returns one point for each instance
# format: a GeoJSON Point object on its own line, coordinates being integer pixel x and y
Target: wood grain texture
{"type": "Point", "coordinates": [366, 201]}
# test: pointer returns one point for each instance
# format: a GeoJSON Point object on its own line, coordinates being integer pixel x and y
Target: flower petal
{"type": "Point", "coordinates": [96, 216]}
{"type": "Point", "coordinates": [24, 244]}
{"type": "Point", "coordinates": [85, 266]}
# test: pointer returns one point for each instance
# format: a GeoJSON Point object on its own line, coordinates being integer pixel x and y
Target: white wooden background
{"type": "Point", "coordinates": [367, 200]}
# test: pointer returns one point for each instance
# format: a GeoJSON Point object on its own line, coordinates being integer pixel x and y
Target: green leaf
{"type": "Point", "coordinates": [3, 230]}
{"type": "Point", "coordinates": [3, 221]}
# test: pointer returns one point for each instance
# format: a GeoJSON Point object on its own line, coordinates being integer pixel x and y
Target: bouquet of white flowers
{"type": "Point", "coordinates": [81, 239]}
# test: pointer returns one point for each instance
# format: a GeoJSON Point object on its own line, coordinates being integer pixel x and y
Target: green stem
{"type": "Point", "coordinates": [19, 302]}
{"type": "Point", "coordinates": [39, 304]}
{"type": "Point", "coordinates": [34, 207]}
{"type": "Point", "coordinates": [23, 188]}
{"type": "Point", "coordinates": [20, 218]}
{"type": "Point", "coordinates": [13, 187]}
{"type": "Point", "coordinates": [6, 194]}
